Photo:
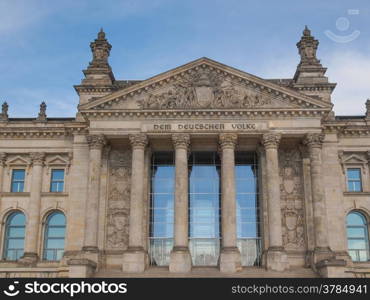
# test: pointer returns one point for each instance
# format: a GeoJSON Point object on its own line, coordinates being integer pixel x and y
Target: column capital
{"type": "Point", "coordinates": [139, 140]}
{"type": "Point", "coordinates": [314, 140]}
{"type": "Point", "coordinates": [271, 140]}
{"type": "Point", "coordinates": [37, 158]}
{"type": "Point", "coordinates": [3, 156]}
{"type": "Point", "coordinates": [181, 140]}
{"type": "Point", "coordinates": [228, 140]}
{"type": "Point", "coordinates": [96, 141]}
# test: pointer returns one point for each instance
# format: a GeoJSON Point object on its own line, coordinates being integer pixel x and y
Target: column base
{"type": "Point", "coordinates": [276, 259]}
{"type": "Point", "coordinates": [180, 260]}
{"type": "Point", "coordinates": [29, 259]}
{"type": "Point", "coordinates": [91, 253]}
{"type": "Point", "coordinates": [135, 260]}
{"type": "Point", "coordinates": [327, 264]}
{"type": "Point", "coordinates": [230, 260]}
{"type": "Point", "coordinates": [81, 268]}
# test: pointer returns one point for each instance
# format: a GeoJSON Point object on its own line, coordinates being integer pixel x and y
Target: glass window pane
{"type": "Point", "coordinates": [56, 232]}
{"type": "Point", "coordinates": [356, 232]}
{"type": "Point", "coordinates": [16, 232]}
{"type": "Point", "coordinates": [18, 175]}
{"type": "Point", "coordinates": [55, 243]}
{"type": "Point", "coordinates": [15, 243]}
{"type": "Point", "coordinates": [356, 244]}
{"type": "Point", "coordinates": [163, 201]}
{"type": "Point", "coordinates": [17, 219]}
{"type": "Point", "coordinates": [57, 175]}
{"type": "Point", "coordinates": [354, 174]}
{"type": "Point", "coordinates": [355, 218]}
{"type": "Point", "coordinates": [57, 219]}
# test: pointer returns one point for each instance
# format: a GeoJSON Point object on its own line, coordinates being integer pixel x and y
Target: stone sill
{"type": "Point", "coordinates": [356, 193]}
{"type": "Point", "coordinates": [54, 194]}
{"type": "Point", "coordinates": [15, 194]}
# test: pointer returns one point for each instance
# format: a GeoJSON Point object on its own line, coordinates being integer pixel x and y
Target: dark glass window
{"type": "Point", "coordinates": [14, 236]}
{"type": "Point", "coordinates": [358, 237]}
{"type": "Point", "coordinates": [17, 184]}
{"type": "Point", "coordinates": [247, 212]}
{"type": "Point", "coordinates": [162, 207]}
{"type": "Point", "coordinates": [354, 180]}
{"type": "Point", "coordinates": [57, 180]}
{"type": "Point", "coordinates": [204, 207]}
{"type": "Point", "coordinates": [54, 236]}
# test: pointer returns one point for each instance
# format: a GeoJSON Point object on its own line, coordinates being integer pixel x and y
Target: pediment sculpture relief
{"type": "Point", "coordinates": [205, 89]}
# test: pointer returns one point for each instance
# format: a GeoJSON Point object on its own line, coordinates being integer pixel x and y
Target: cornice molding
{"type": "Point", "coordinates": [179, 114]}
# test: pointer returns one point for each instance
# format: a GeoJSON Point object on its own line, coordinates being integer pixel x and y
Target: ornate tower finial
{"type": "Point", "coordinates": [307, 48]}
{"type": "Point", "coordinates": [367, 109]}
{"type": "Point", "coordinates": [42, 113]}
{"type": "Point", "coordinates": [101, 50]}
{"type": "Point", "coordinates": [309, 77]}
{"type": "Point", "coordinates": [4, 112]}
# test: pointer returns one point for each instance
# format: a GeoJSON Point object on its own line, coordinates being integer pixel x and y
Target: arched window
{"type": "Point", "coordinates": [54, 236]}
{"type": "Point", "coordinates": [14, 236]}
{"type": "Point", "coordinates": [357, 236]}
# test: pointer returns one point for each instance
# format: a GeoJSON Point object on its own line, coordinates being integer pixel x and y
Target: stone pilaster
{"type": "Point", "coordinates": [78, 191]}
{"type": "Point", "coordinates": [230, 260]}
{"type": "Point", "coordinates": [180, 261]}
{"type": "Point", "coordinates": [3, 157]}
{"type": "Point", "coordinates": [31, 256]}
{"type": "Point", "coordinates": [314, 142]}
{"type": "Point", "coordinates": [135, 259]}
{"type": "Point", "coordinates": [276, 258]}
{"type": "Point", "coordinates": [96, 144]}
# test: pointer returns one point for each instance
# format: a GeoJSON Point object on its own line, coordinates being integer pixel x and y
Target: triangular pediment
{"type": "Point", "coordinates": [354, 159]}
{"type": "Point", "coordinates": [205, 84]}
{"type": "Point", "coordinates": [18, 161]}
{"type": "Point", "coordinates": [57, 160]}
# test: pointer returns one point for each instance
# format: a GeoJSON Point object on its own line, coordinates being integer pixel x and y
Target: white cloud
{"type": "Point", "coordinates": [350, 69]}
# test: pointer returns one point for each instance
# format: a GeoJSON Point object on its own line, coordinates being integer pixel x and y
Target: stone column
{"type": "Point", "coordinates": [230, 260]}
{"type": "Point", "coordinates": [3, 156]}
{"type": "Point", "coordinates": [314, 141]}
{"type": "Point", "coordinates": [96, 144]}
{"type": "Point", "coordinates": [30, 256]}
{"type": "Point", "coordinates": [276, 258]}
{"type": "Point", "coordinates": [180, 261]}
{"type": "Point", "coordinates": [135, 259]}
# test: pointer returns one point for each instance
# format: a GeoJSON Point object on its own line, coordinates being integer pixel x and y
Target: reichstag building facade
{"type": "Point", "coordinates": [203, 170]}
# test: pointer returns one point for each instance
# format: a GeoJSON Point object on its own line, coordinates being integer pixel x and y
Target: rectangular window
{"type": "Point", "coordinates": [247, 211]}
{"type": "Point", "coordinates": [204, 207]}
{"type": "Point", "coordinates": [162, 198]}
{"type": "Point", "coordinates": [57, 181]}
{"type": "Point", "coordinates": [17, 185]}
{"type": "Point", "coordinates": [354, 180]}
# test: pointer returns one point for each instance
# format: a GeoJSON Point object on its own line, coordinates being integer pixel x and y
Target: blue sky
{"type": "Point", "coordinates": [45, 44]}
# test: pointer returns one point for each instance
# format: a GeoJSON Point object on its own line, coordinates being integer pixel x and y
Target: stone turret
{"type": "Point", "coordinates": [99, 78]}
{"type": "Point", "coordinates": [309, 77]}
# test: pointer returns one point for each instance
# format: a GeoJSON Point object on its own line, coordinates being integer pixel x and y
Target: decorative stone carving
{"type": "Point", "coordinates": [139, 140]}
{"type": "Point", "coordinates": [3, 157]}
{"type": "Point", "coordinates": [314, 139]}
{"type": "Point", "coordinates": [118, 199]}
{"type": "Point", "coordinates": [228, 140]}
{"type": "Point", "coordinates": [271, 140]}
{"type": "Point", "coordinates": [292, 199]}
{"type": "Point", "coordinates": [181, 140]}
{"type": "Point", "coordinates": [307, 48]}
{"type": "Point", "coordinates": [205, 89]}
{"type": "Point", "coordinates": [96, 141]}
{"type": "Point", "coordinates": [4, 112]}
{"type": "Point", "coordinates": [37, 158]}
{"type": "Point", "coordinates": [42, 114]}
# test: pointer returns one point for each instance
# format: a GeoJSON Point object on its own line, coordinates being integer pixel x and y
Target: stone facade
{"type": "Point", "coordinates": [304, 152]}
